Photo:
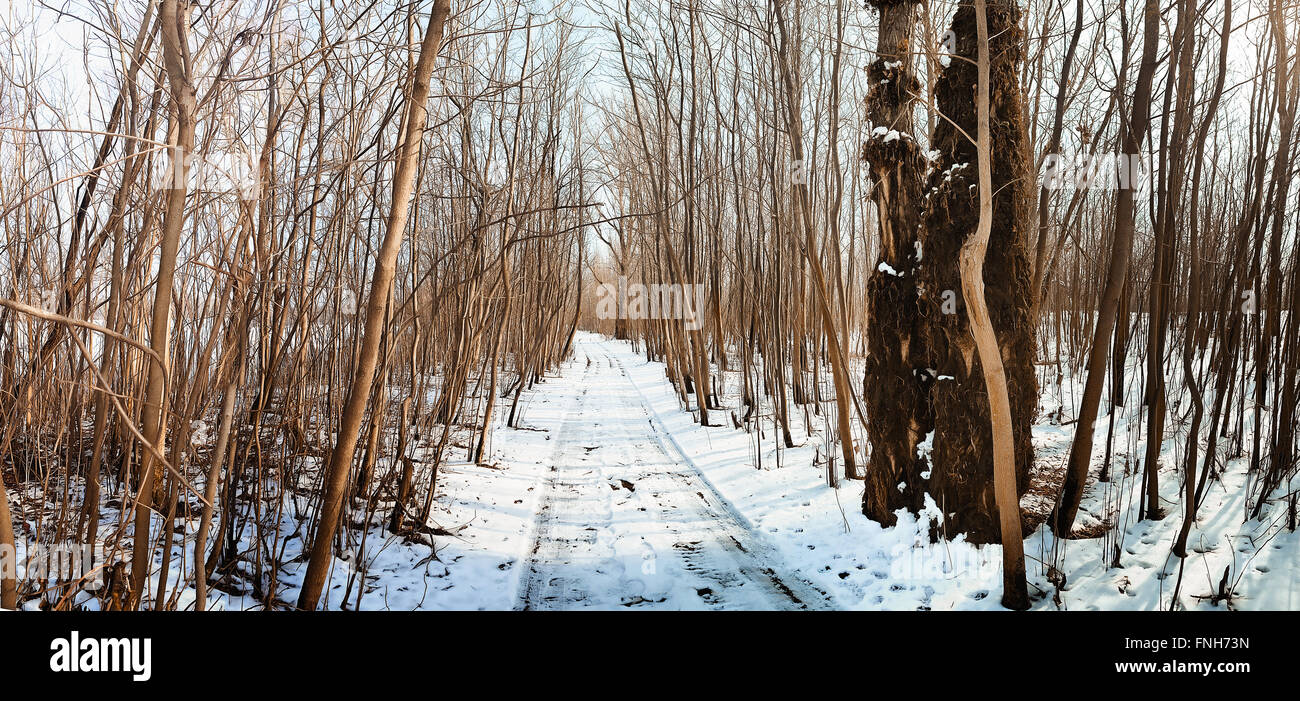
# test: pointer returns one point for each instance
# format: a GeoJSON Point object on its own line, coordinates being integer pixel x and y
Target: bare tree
{"type": "Point", "coordinates": [417, 94]}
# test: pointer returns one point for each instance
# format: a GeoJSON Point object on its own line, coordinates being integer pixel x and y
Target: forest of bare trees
{"type": "Point", "coordinates": [270, 266]}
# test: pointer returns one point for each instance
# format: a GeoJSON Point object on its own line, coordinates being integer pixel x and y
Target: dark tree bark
{"type": "Point", "coordinates": [1054, 146]}
{"type": "Point", "coordinates": [962, 482]}
{"type": "Point", "coordinates": [1133, 131]}
{"type": "Point", "coordinates": [894, 385]}
{"type": "Point", "coordinates": [1282, 449]}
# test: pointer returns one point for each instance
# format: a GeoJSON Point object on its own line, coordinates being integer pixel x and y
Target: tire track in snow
{"type": "Point", "coordinates": [616, 490]}
{"type": "Point", "coordinates": [544, 586]}
{"type": "Point", "coordinates": [733, 533]}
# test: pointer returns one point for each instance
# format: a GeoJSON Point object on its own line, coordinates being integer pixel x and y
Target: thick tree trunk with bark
{"type": "Point", "coordinates": [962, 479]}
{"type": "Point", "coordinates": [894, 386]}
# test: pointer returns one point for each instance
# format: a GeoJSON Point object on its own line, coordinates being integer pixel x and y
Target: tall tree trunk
{"type": "Point", "coordinates": [503, 282]}
{"type": "Point", "coordinates": [8, 584]}
{"type": "Point", "coordinates": [812, 252]}
{"type": "Point", "coordinates": [1282, 448]}
{"type": "Point", "coordinates": [1053, 146]}
{"type": "Point", "coordinates": [1133, 132]}
{"type": "Point", "coordinates": [963, 479]}
{"type": "Point", "coordinates": [1015, 594]}
{"type": "Point", "coordinates": [1194, 342]}
{"type": "Point", "coordinates": [376, 312]}
{"type": "Point", "coordinates": [174, 18]}
{"type": "Point", "coordinates": [894, 386]}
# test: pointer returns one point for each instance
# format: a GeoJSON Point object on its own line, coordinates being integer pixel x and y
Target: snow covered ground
{"type": "Point", "coordinates": [609, 496]}
{"type": "Point", "coordinates": [639, 506]}
{"type": "Point", "coordinates": [628, 519]}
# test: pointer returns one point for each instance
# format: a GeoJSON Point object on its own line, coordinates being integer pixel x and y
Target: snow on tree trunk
{"type": "Point", "coordinates": [961, 480]}
{"type": "Point", "coordinates": [894, 385]}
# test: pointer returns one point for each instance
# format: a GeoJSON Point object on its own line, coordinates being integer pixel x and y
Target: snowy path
{"type": "Point", "coordinates": [626, 520]}
{"type": "Point", "coordinates": [610, 496]}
